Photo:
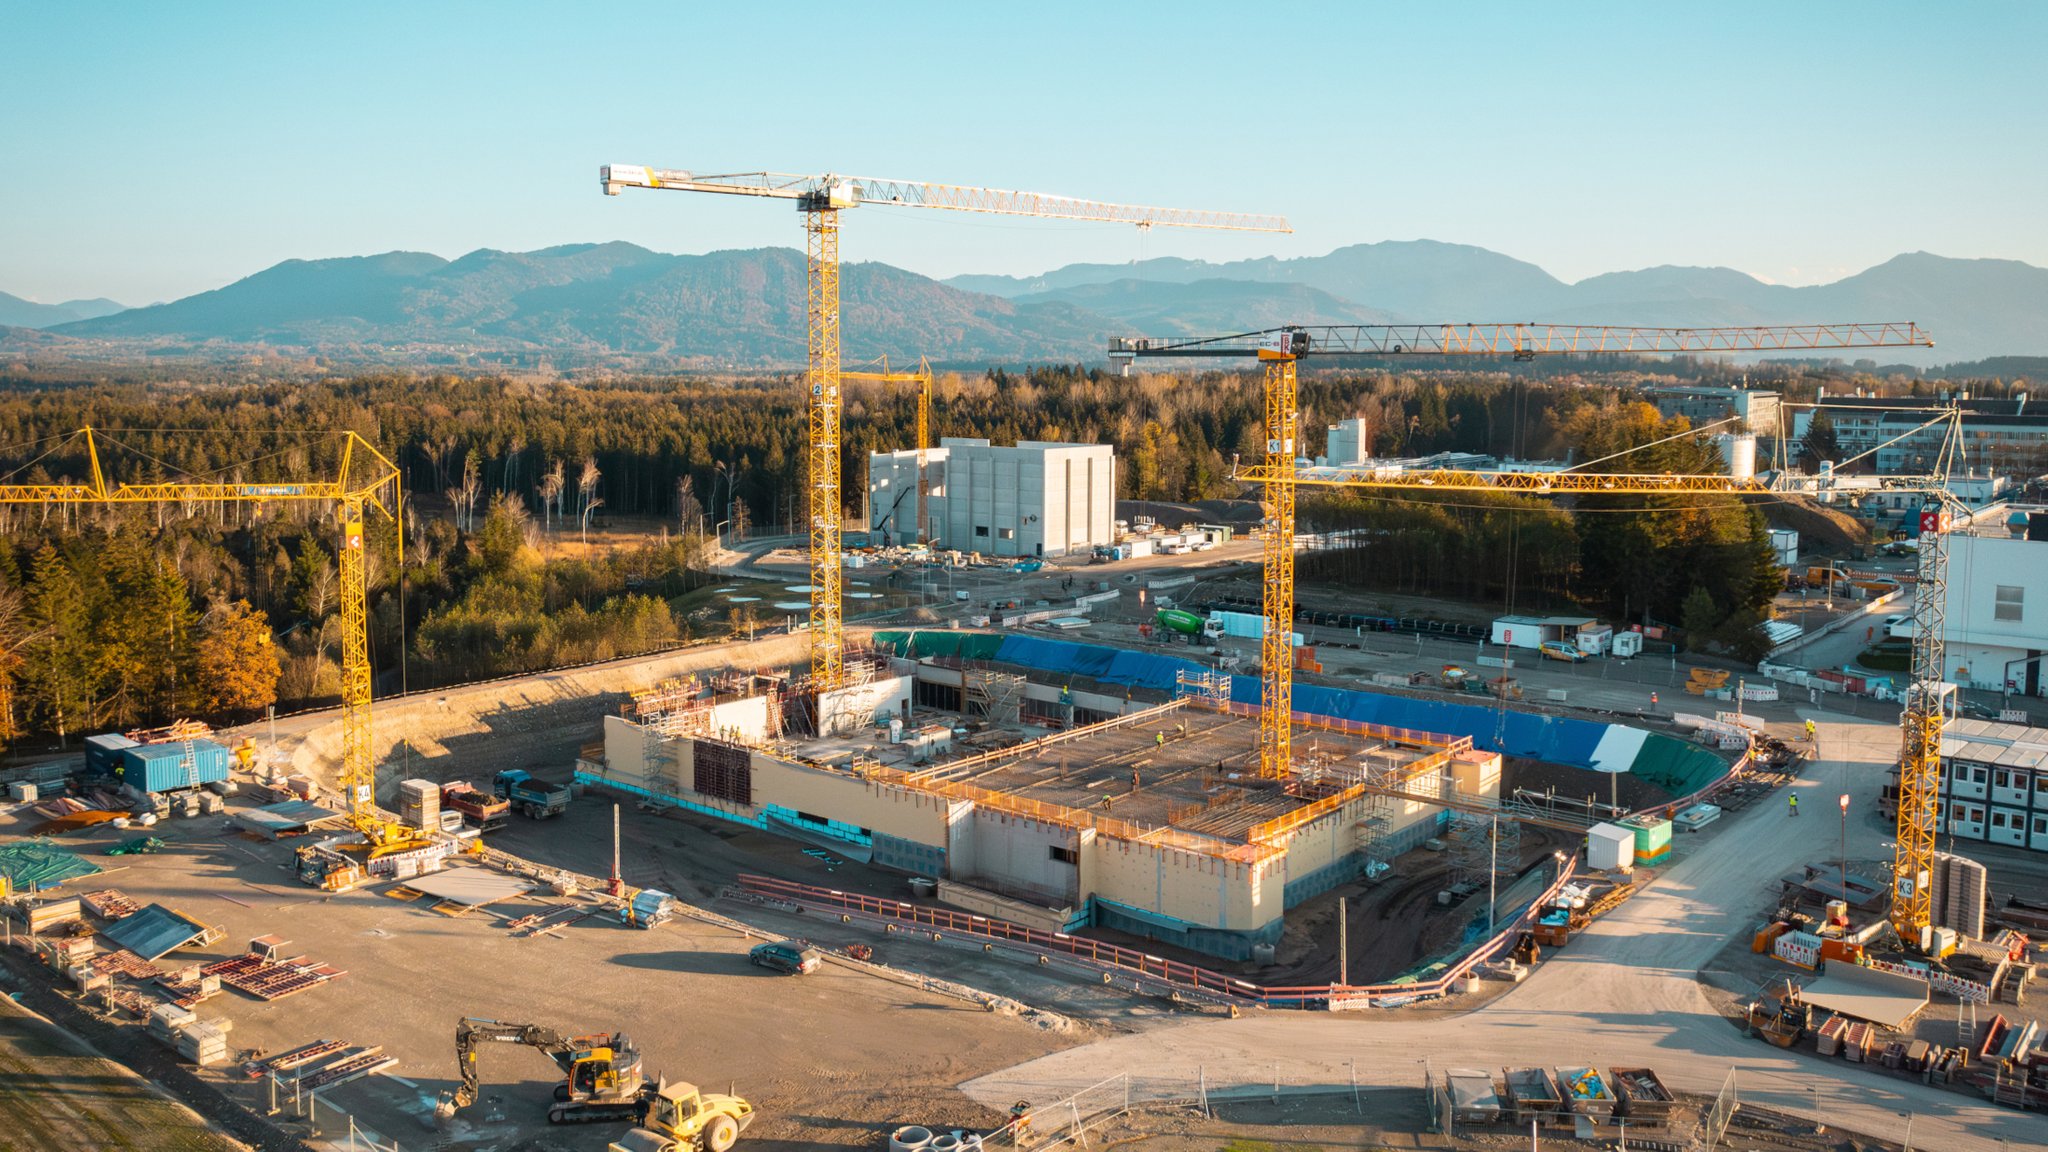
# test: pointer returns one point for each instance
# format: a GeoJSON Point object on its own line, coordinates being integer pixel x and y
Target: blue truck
{"type": "Point", "coordinates": [537, 798]}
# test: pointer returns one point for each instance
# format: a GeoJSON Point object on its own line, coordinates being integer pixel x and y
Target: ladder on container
{"type": "Point", "coordinates": [191, 764]}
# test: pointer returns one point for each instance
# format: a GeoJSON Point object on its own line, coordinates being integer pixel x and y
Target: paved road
{"type": "Point", "coordinates": [1623, 994]}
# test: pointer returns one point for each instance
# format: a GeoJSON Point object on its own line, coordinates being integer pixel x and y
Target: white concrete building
{"type": "Point", "coordinates": [893, 516]}
{"type": "Point", "coordinates": [1034, 499]}
{"type": "Point", "coordinates": [1996, 623]}
{"type": "Point", "coordinates": [1349, 444]}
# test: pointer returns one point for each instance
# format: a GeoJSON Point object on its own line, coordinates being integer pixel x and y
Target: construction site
{"type": "Point", "coordinates": [945, 886]}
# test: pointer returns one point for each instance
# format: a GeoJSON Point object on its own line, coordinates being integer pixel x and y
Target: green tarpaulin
{"type": "Point", "coordinates": [955, 645]}
{"type": "Point", "coordinates": [38, 864]}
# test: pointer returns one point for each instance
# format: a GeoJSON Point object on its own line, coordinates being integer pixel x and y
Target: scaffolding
{"type": "Point", "coordinates": [997, 697]}
{"type": "Point", "coordinates": [1375, 831]}
{"type": "Point", "coordinates": [1210, 688]}
{"type": "Point", "coordinates": [1477, 845]}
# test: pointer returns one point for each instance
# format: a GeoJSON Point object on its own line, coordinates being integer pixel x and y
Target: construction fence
{"type": "Point", "coordinates": [1170, 976]}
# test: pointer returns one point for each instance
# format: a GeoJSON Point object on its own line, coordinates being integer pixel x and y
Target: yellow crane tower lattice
{"type": "Point", "coordinates": [821, 199]}
{"type": "Point", "coordinates": [1928, 695]}
{"type": "Point", "coordinates": [1279, 349]}
{"type": "Point", "coordinates": [923, 379]}
{"type": "Point", "coordinates": [363, 479]}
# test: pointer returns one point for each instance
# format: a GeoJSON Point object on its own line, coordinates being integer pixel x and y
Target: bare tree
{"type": "Point", "coordinates": [739, 520]}
{"type": "Point", "coordinates": [689, 513]}
{"type": "Point", "coordinates": [551, 494]}
{"type": "Point", "coordinates": [472, 487]}
{"type": "Point", "coordinates": [586, 484]}
{"type": "Point", "coordinates": [590, 506]}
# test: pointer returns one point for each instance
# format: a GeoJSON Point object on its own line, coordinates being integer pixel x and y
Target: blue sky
{"type": "Point", "coordinates": [151, 151]}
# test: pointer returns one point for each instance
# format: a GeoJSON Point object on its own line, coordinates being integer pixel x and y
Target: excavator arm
{"type": "Point", "coordinates": [473, 1032]}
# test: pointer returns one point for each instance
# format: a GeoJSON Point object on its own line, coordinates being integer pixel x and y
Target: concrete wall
{"type": "Point", "coordinates": [743, 721]}
{"type": "Point", "coordinates": [1015, 854]}
{"type": "Point", "coordinates": [854, 708]}
{"type": "Point", "coordinates": [904, 813]}
{"type": "Point", "coordinates": [1192, 888]}
{"type": "Point", "coordinates": [536, 722]}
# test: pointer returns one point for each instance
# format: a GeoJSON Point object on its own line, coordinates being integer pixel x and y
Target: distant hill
{"type": "Point", "coordinates": [18, 313]}
{"type": "Point", "coordinates": [1419, 280]}
{"type": "Point", "coordinates": [1206, 306]}
{"type": "Point", "coordinates": [623, 306]}
{"type": "Point", "coordinates": [1974, 308]}
{"type": "Point", "coordinates": [740, 308]}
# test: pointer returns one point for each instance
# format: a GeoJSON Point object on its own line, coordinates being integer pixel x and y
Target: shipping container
{"type": "Point", "coordinates": [103, 753]}
{"type": "Point", "coordinates": [168, 767]}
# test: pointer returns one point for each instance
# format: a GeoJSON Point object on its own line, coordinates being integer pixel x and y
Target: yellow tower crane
{"type": "Point", "coordinates": [1929, 695]}
{"type": "Point", "coordinates": [923, 379]}
{"type": "Point", "coordinates": [1280, 348]}
{"type": "Point", "coordinates": [363, 479]}
{"type": "Point", "coordinates": [821, 199]}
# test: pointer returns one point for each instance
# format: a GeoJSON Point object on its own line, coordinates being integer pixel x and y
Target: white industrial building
{"type": "Point", "coordinates": [1034, 499]}
{"type": "Point", "coordinates": [1996, 614]}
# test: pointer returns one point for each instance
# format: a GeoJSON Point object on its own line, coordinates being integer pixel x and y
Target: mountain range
{"type": "Point", "coordinates": [18, 313]}
{"type": "Point", "coordinates": [622, 306]}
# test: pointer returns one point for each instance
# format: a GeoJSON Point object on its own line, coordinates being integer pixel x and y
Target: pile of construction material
{"type": "Point", "coordinates": [918, 1138]}
{"type": "Point", "coordinates": [419, 804]}
{"type": "Point", "coordinates": [202, 1042]}
{"type": "Point", "coordinates": [2013, 1062]}
{"type": "Point", "coordinates": [1565, 1095]}
{"type": "Point", "coordinates": [265, 973]}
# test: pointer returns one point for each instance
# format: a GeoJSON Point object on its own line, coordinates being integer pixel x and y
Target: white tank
{"type": "Point", "coordinates": [1738, 451]}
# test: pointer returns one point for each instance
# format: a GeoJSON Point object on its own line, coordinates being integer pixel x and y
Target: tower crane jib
{"type": "Point", "coordinates": [1279, 349]}
{"type": "Point", "coordinates": [821, 198]}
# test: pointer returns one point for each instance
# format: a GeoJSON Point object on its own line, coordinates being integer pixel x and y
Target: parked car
{"type": "Point", "coordinates": [1559, 650]}
{"type": "Point", "coordinates": [786, 957]}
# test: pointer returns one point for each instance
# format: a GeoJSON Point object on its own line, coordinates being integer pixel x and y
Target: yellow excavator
{"type": "Point", "coordinates": [601, 1076]}
{"type": "Point", "coordinates": [602, 1081]}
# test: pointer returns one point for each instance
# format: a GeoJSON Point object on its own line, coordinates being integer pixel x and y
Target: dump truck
{"type": "Point", "coordinates": [681, 1119]}
{"type": "Point", "coordinates": [480, 809]}
{"type": "Point", "coordinates": [535, 797]}
{"type": "Point", "coordinates": [601, 1076]}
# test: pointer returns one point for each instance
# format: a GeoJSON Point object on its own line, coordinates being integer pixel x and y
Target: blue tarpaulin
{"type": "Point", "coordinates": [1535, 736]}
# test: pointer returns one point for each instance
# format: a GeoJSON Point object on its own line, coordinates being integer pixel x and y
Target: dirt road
{"type": "Point", "coordinates": [1623, 993]}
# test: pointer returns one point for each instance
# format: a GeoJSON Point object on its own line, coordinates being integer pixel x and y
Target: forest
{"type": "Point", "coordinates": [116, 616]}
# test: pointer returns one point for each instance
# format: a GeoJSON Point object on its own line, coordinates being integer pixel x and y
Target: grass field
{"type": "Point", "coordinates": [55, 1097]}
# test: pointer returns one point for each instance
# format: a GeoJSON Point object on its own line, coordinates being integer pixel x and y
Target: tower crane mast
{"type": "Point", "coordinates": [363, 480]}
{"type": "Point", "coordinates": [821, 198]}
{"type": "Point", "coordinates": [1279, 349]}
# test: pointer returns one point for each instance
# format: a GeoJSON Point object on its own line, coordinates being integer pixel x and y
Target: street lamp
{"type": "Point", "coordinates": [1845, 847]}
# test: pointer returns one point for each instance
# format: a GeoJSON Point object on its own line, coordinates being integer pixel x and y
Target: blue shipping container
{"type": "Point", "coordinates": [103, 753]}
{"type": "Point", "coordinates": [163, 767]}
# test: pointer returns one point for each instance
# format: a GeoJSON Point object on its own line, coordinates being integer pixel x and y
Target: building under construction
{"type": "Point", "coordinates": [1048, 805]}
